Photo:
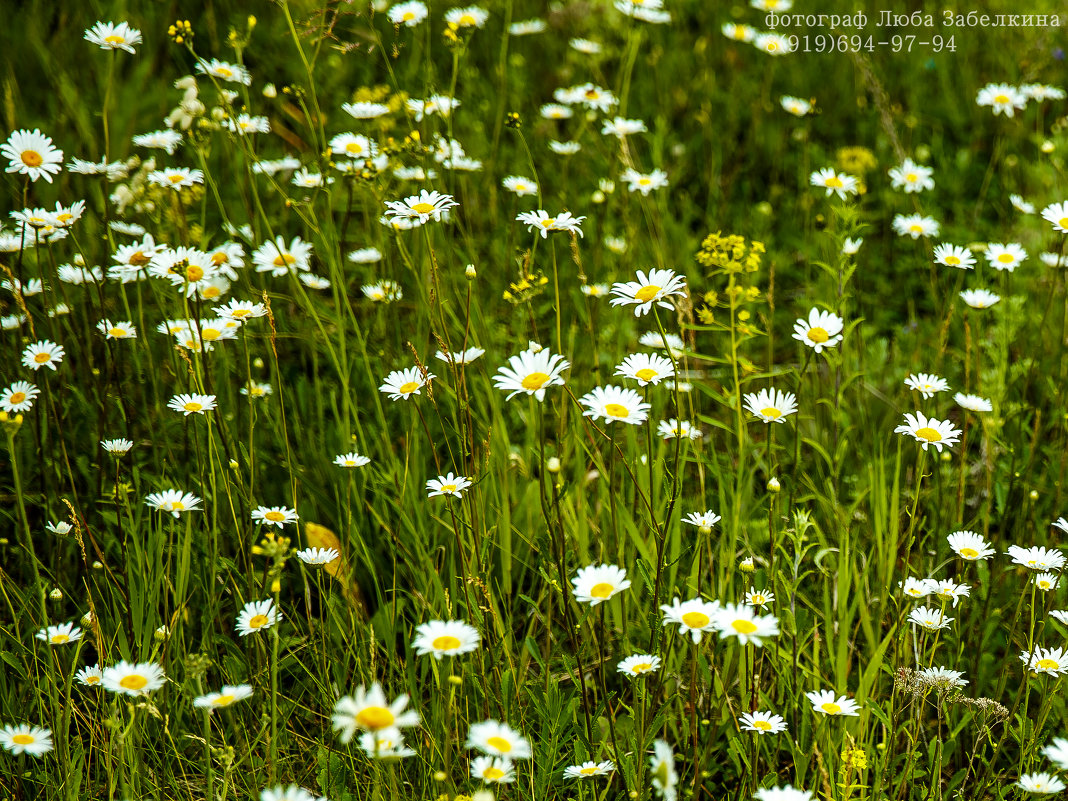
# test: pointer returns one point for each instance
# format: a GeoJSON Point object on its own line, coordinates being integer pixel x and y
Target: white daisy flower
{"type": "Point", "coordinates": [595, 584]}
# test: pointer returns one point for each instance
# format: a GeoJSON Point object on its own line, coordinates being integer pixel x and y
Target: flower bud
{"type": "Point", "coordinates": [470, 272]}
{"type": "Point", "coordinates": [56, 594]}
{"type": "Point", "coordinates": [774, 485]}
{"type": "Point", "coordinates": [746, 565]}
{"type": "Point", "coordinates": [552, 464]}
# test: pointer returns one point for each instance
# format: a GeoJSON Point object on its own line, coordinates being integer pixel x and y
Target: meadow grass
{"type": "Point", "coordinates": [240, 285]}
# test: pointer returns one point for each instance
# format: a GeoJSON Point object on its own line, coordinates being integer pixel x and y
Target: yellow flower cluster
{"type": "Point", "coordinates": [730, 253]}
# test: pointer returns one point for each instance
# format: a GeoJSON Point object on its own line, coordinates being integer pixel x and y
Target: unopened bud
{"type": "Point", "coordinates": [552, 464]}
{"type": "Point", "coordinates": [746, 565]}
{"type": "Point", "coordinates": [56, 594]}
{"type": "Point", "coordinates": [774, 485]}
{"type": "Point", "coordinates": [470, 272]}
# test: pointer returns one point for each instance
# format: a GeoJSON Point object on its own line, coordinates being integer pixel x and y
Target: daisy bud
{"type": "Point", "coordinates": [87, 619]}
{"type": "Point", "coordinates": [774, 485]}
{"type": "Point", "coordinates": [1034, 495]}
{"type": "Point", "coordinates": [270, 91]}
{"type": "Point", "coordinates": [440, 776]}
{"type": "Point", "coordinates": [1047, 146]}
{"type": "Point", "coordinates": [98, 565]}
{"type": "Point", "coordinates": [233, 464]}
{"type": "Point", "coordinates": [552, 464]}
{"type": "Point", "coordinates": [597, 197]}
{"type": "Point", "coordinates": [470, 272]}
{"type": "Point", "coordinates": [632, 794]}
{"type": "Point", "coordinates": [947, 456]}
{"type": "Point", "coordinates": [746, 565]}
{"type": "Point", "coordinates": [56, 594]}
{"type": "Point", "coordinates": [257, 363]}
{"type": "Point", "coordinates": [161, 633]}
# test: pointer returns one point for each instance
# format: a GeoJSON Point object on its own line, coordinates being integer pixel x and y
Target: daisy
{"type": "Point", "coordinates": [738, 33]}
{"type": "Point", "coordinates": [1021, 205]}
{"type": "Point", "coordinates": [652, 287]}
{"type": "Point", "coordinates": [246, 124]}
{"type": "Point", "coordinates": [949, 590]}
{"type": "Point", "coordinates": [759, 598]}
{"type": "Point", "coordinates": [615, 405]}
{"type": "Point", "coordinates": [824, 702]}
{"type": "Point", "coordinates": [638, 665]}
{"type": "Point", "coordinates": [18, 397]}
{"type": "Point", "coordinates": [621, 127]}
{"type": "Point", "coordinates": [466, 357]}
{"type": "Point", "coordinates": [445, 638]}
{"type": "Point", "coordinates": [60, 634]}
{"type": "Point", "coordinates": [929, 431]}
{"type": "Point", "coordinates": [772, 43]}
{"type": "Point", "coordinates": [973, 403]}
{"type": "Point", "coordinates": [531, 372]}
{"type": "Point", "coordinates": [353, 146]}
{"type": "Point", "coordinates": [318, 556]}
{"type": "Point", "coordinates": [1005, 257]}
{"type": "Point", "coordinates": [369, 111]}
{"type": "Point", "coordinates": [133, 679]}
{"type": "Point", "coordinates": [383, 291]}
{"type": "Point", "coordinates": [953, 256]}
{"type": "Point", "coordinates": [674, 429]}
{"type": "Point", "coordinates": [926, 384]}
{"type": "Point", "coordinates": [447, 485]}
{"type": "Point", "coordinates": [408, 14]}
{"type": "Point", "coordinates": [109, 36]}
{"type": "Point", "coordinates": [24, 739]}
{"type": "Point", "coordinates": [597, 583]}
{"type": "Point", "coordinates": [469, 17]}
{"type": "Point", "coordinates": [176, 177]}
{"type": "Point", "coordinates": [915, 588]}
{"type": "Point", "coordinates": [823, 329]}
{"type": "Point", "coordinates": [792, 105]}
{"type": "Point", "coordinates": [670, 342]}
{"type": "Point", "coordinates": [644, 183]}
{"type": "Point", "coordinates": [385, 744]}
{"type": "Point", "coordinates": [402, 384]}
{"type": "Point", "coordinates": [695, 616]}
{"type": "Point", "coordinates": [527, 27]}
{"type": "Point", "coordinates": [915, 225]}
{"type": "Point", "coordinates": [492, 770]}
{"type": "Point", "coordinates": [121, 330]}
{"type": "Point", "coordinates": [742, 622]}
{"type": "Point", "coordinates": [662, 770]}
{"type": "Point", "coordinates": [278, 259]}
{"type": "Point", "coordinates": [192, 404]}
{"type": "Point", "coordinates": [116, 447]}
{"type": "Point", "coordinates": [365, 256]}
{"type": "Point", "coordinates": [585, 46]}
{"type": "Point", "coordinates": [587, 770]}
{"type": "Point", "coordinates": [520, 186]}
{"type": "Point", "coordinates": [90, 676]}
{"type": "Point", "coordinates": [1057, 214]}
{"type": "Point", "coordinates": [1050, 661]}
{"type": "Point", "coordinates": [541, 221]}
{"type": "Point", "coordinates": [1040, 783]}
{"type": "Point", "coordinates": [422, 207]}
{"type": "Point", "coordinates": [1049, 259]}
{"type": "Point", "coordinates": [351, 459]}
{"type": "Point", "coordinates": [31, 153]}
{"type": "Point", "coordinates": [943, 678]}
{"type": "Point", "coordinates": [786, 793]}
{"type": "Point", "coordinates": [167, 139]}
{"type": "Point", "coordinates": [763, 722]}
{"type": "Point", "coordinates": [1036, 558]}
{"type": "Point", "coordinates": [911, 177]}
{"type": "Point", "coordinates": [970, 546]}
{"type": "Point", "coordinates": [1061, 523]}
{"type": "Point", "coordinates": [61, 528]}
{"type": "Point", "coordinates": [290, 793]}
{"type": "Point", "coordinates": [1057, 752]}
{"type": "Point", "coordinates": [645, 368]}
{"type": "Point", "coordinates": [257, 616]}
{"type": "Point", "coordinates": [227, 696]}
{"type": "Point", "coordinates": [369, 711]}
{"type": "Point", "coordinates": [1002, 98]}
{"type": "Point", "coordinates": [240, 310]}
{"type": "Point", "coordinates": [274, 515]}
{"type": "Point", "coordinates": [979, 298]}
{"type": "Point", "coordinates": [1060, 615]}
{"type": "Point", "coordinates": [173, 501]}
{"type": "Point", "coordinates": [44, 353]}
{"type": "Point", "coordinates": [595, 290]}
{"type": "Point", "coordinates": [771, 406]}
{"type": "Point", "coordinates": [1046, 581]}
{"type": "Point", "coordinates": [556, 111]}
{"type": "Point", "coordinates": [495, 738]}
{"type": "Point", "coordinates": [703, 520]}
{"type": "Point", "coordinates": [834, 182]}
{"type": "Point", "coordinates": [929, 618]}
{"type": "Point", "coordinates": [224, 70]}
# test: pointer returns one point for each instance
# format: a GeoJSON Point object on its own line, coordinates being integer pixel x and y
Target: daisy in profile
{"type": "Point", "coordinates": [368, 710]}
{"type": "Point", "coordinates": [762, 722]}
{"type": "Point", "coordinates": [385, 744]}
{"type": "Point", "coordinates": [821, 330]}
{"type": "Point", "coordinates": [970, 546]}
{"type": "Point", "coordinates": [422, 207]}
{"type": "Point", "coordinates": [109, 36]}
{"type": "Point", "coordinates": [786, 793]}
{"type": "Point", "coordinates": [1057, 752]}
{"type": "Point", "coordinates": [18, 397]}
{"type": "Point", "coordinates": [116, 447]}
{"type": "Point", "coordinates": [465, 357]}
{"type": "Point", "coordinates": [350, 460]}
{"type": "Point", "coordinates": [953, 256]}
{"type": "Point", "coordinates": [973, 403]}
{"type": "Point", "coordinates": [317, 557]}
{"type": "Point", "coordinates": [790, 104]}
{"type": "Point", "coordinates": [224, 698]}
{"type": "Point", "coordinates": [615, 405]}
{"type": "Point", "coordinates": [1002, 98]}
{"type": "Point", "coordinates": [520, 186]}
{"type": "Point", "coordinates": [498, 739]}
{"type": "Point", "coordinates": [695, 616]}
{"type": "Point", "coordinates": [173, 501]}
{"type": "Point", "coordinates": [257, 616]}
{"type": "Point", "coordinates": [639, 665]}
{"type": "Point", "coordinates": [759, 598]}
{"type": "Point", "coordinates": [31, 153]}
{"type": "Point", "coordinates": [949, 590]}
{"type": "Point", "coordinates": [771, 406]}
{"type": "Point", "coordinates": [541, 222]}
{"type": "Point", "coordinates": [674, 429]}
{"type": "Point", "coordinates": [61, 634]}
{"type": "Point", "coordinates": [642, 182]}
{"type": "Point", "coordinates": [926, 384]}
{"type": "Point", "coordinates": [469, 17]}
{"type": "Point", "coordinates": [1036, 557]}
{"type": "Point", "coordinates": [1050, 661]}
{"type": "Point", "coordinates": [703, 520]}
{"type": "Point", "coordinates": [1046, 581]}
{"type": "Point", "coordinates": [402, 384]}
{"type": "Point", "coordinates": [382, 291]}
{"type": "Point", "coordinates": [274, 515]}
{"type": "Point", "coordinates": [652, 287]}
{"type": "Point", "coordinates": [743, 622]}
{"type": "Point", "coordinates": [1021, 205]}
{"type": "Point", "coordinates": [492, 770]}
{"type": "Point", "coordinates": [929, 431]}
{"type": "Point", "coordinates": [645, 368]}
{"type": "Point", "coordinates": [597, 583]}
{"type": "Point", "coordinates": [367, 111]}
{"type": "Point", "coordinates": [1057, 214]}
{"type": "Point", "coordinates": [915, 225]}
{"type": "Point", "coordinates": [450, 484]}
{"type": "Point", "coordinates": [929, 618]}
{"type": "Point", "coordinates": [192, 404]}
{"type": "Point", "coordinates": [588, 770]}
{"type": "Point", "coordinates": [24, 739]}
{"type": "Point", "coordinates": [621, 127]}
{"type": "Point", "coordinates": [1005, 257]}
{"type": "Point", "coordinates": [127, 678]}
{"type": "Point", "coordinates": [225, 71]}
{"type": "Point", "coordinates": [44, 353]}
{"type": "Point", "coordinates": [176, 177]}
{"type": "Point", "coordinates": [837, 183]}
{"type": "Point", "coordinates": [825, 703]}
{"type": "Point", "coordinates": [286, 793]}
{"type": "Point", "coordinates": [408, 14]}
{"type": "Point", "coordinates": [90, 676]}
{"type": "Point", "coordinates": [121, 330]}
{"type": "Point", "coordinates": [913, 587]}
{"type": "Point", "coordinates": [441, 638]}
{"type": "Point", "coordinates": [911, 177]}
{"type": "Point", "coordinates": [280, 259]}
{"type": "Point", "coordinates": [1040, 783]}
{"type": "Point", "coordinates": [979, 298]}
{"type": "Point", "coordinates": [662, 771]}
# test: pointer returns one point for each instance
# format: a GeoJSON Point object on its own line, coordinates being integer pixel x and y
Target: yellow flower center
{"type": "Point", "coordinates": [239, 314]}
{"type": "Point", "coordinates": [616, 410]}
{"type": "Point", "coordinates": [22, 739]}
{"type": "Point", "coordinates": [929, 434]}
{"type": "Point", "coordinates": [549, 222]}
{"type": "Point", "coordinates": [772, 46]}
{"type": "Point", "coordinates": [31, 158]}
{"type": "Point", "coordinates": [284, 260]}
{"type": "Point", "coordinates": [59, 639]}
{"type": "Point", "coordinates": [763, 725]}
{"type": "Point", "coordinates": [1001, 99]}
{"type": "Point", "coordinates": [211, 292]}
{"type": "Point", "coordinates": [772, 412]}
{"type": "Point", "coordinates": [492, 773]}
{"type": "Point", "coordinates": [175, 177]}
{"type": "Point", "coordinates": [92, 679]}
{"type": "Point", "coordinates": [952, 261]}
{"type": "Point", "coordinates": [912, 177]}
{"type": "Point", "coordinates": [116, 332]}
{"type": "Point", "coordinates": [219, 258]}
{"type": "Point", "coordinates": [408, 388]}
{"type": "Point", "coordinates": [375, 717]}
{"type": "Point", "coordinates": [41, 358]}
{"type": "Point", "coordinates": [467, 19]}
{"type": "Point", "coordinates": [646, 374]}
{"type": "Point", "coordinates": [257, 621]}
{"type": "Point", "coordinates": [133, 682]}
{"type": "Point", "coordinates": [834, 182]}
{"type": "Point", "coordinates": [423, 208]}
{"type": "Point", "coordinates": [641, 667]}
{"type": "Point", "coordinates": [223, 700]}
{"type": "Point", "coordinates": [194, 273]}
{"type": "Point", "coordinates": [645, 181]}
{"type": "Point", "coordinates": [1048, 664]}
{"type": "Point", "coordinates": [646, 293]}
{"type": "Point", "coordinates": [224, 72]}
{"type": "Point", "coordinates": [695, 620]}
{"type": "Point", "coordinates": [139, 259]}
{"type": "Point", "coordinates": [535, 381]}
{"type": "Point", "coordinates": [500, 744]}
{"type": "Point", "coordinates": [446, 643]}
{"type": "Point", "coordinates": [16, 397]}
{"type": "Point", "coordinates": [113, 39]}
{"type": "Point", "coordinates": [744, 626]}
{"type": "Point", "coordinates": [969, 553]}
{"type": "Point", "coordinates": [448, 488]}
{"type": "Point", "coordinates": [602, 591]}
{"type": "Point", "coordinates": [1044, 584]}
{"type": "Point", "coordinates": [175, 506]}
{"type": "Point", "coordinates": [916, 229]}
{"type": "Point", "coordinates": [1005, 258]}
{"type": "Point", "coordinates": [354, 147]}
{"type": "Point", "coordinates": [193, 406]}
{"type": "Point", "coordinates": [408, 16]}
{"type": "Point", "coordinates": [210, 334]}
{"type": "Point", "coordinates": [588, 771]}
{"type": "Point", "coordinates": [274, 516]}
{"type": "Point", "coordinates": [818, 334]}
{"type": "Point", "coordinates": [831, 708]}
{"type": "Point", "coordinates": [64, 217]}
{"type": "Point", "coordinates": [1063, 222]}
